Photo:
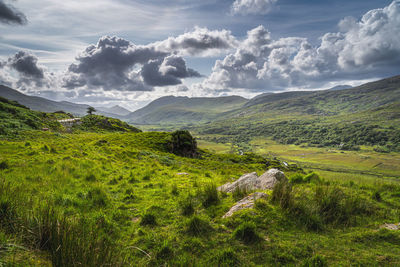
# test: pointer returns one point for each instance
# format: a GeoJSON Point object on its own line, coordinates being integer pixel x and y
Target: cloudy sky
{"type": "Point", "coordinates": [130, 52]}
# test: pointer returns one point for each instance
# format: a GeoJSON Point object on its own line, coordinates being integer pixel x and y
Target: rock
{"type": "Point", "coordinates": [270, 178]}
{"type": "Point", "coordinates": [250, 181]}
{"type": "Point", "coordinates": [391, 226]}
{"type": "Point", "coordinates": [245, 182]}
{"type": "Point", "coordinates": [182, 173]}
{"type": "Point", "coordinates": [245, 203]}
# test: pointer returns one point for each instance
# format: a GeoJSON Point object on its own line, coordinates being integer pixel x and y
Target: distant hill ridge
{"type": "Point", "coordinates": [45, 105]}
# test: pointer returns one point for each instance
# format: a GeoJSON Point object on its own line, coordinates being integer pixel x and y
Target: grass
{"type": "Point", "coordinates": [121, 199]}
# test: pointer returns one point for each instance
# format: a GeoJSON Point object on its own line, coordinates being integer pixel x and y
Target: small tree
{"type": "Point", "coordinates": [90, 110]}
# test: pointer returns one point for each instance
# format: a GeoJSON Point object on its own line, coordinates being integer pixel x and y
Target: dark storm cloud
{"type": "Point", "coordinates": [108, 65]}
{"type": "Point", "coordinates": [26, 65]}
{"type": "Point", "coordinates": [113, 62]}
{"type": "Point", "coordinates": [169, 71]}
{"type": "Point", "coordinates": [10, 15]}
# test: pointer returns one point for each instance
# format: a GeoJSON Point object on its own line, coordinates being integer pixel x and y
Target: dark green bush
{"type": "Point", "coordinates": [183, 144]}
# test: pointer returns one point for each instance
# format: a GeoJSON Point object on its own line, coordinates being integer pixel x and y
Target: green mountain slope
{"type": "Point", "coordinates": [364, 115]}
{"type": "Point", "coordinates": [171, 109]}
{"type": "Point", "coordinates": [15, 117]}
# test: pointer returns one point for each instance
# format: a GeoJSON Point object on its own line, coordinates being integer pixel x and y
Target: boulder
{"type": "Point", "coordinates": [250, 181]}
{"type": "Point", "coordinates": [245, 182]}
{"type": "Point", "coordinates": [270, 178]}
{"type": "Point", "coordinates": [245, 203]}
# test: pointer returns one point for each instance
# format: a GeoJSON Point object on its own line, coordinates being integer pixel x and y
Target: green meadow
{"type": "Point", "coordinates": [123, 199]}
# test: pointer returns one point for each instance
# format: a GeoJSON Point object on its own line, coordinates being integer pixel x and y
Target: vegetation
{"type": "Point", "coordinates": [103, 193]}
{"type": "Point", "coordinates": [90, 198]}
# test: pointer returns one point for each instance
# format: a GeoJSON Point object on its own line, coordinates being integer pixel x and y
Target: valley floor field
{"type": "Point", "coordinates": [365, 162]}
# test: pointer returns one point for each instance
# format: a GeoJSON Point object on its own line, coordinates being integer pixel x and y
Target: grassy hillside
{"type": "Point", "coordinates": [170, 109]}
{"type": "Point", "coordinates": [16, 120]}
{"type": "Point", "coordinates": [15, 117]}
{"type": "Point", "coordinates": [366, 115]}
{"type": "Point", "coordinates": [122, 199]}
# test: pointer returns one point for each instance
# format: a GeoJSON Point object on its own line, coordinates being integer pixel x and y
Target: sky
{"type": "Point", "coordinates": [130, 52]}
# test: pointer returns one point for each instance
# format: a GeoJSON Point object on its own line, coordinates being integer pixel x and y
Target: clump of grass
{"type": "Point", "coordinates": [197, 226]}
{"type": "Point", "coordinates": [148, 218]}
{"type": "Point", "coordinates": [282, 194]}
{"type": "Point", "coordinates": [328, 205]}
{"type": "Point", "coordinates": [98, 197]}
{"type": "Point", "coordinates": [165, 252]}
{"type": "Point", "coordinates": [315, 261]}
{"type": "Point", "coordinates": [376, 195]}
{"type": "Point", "coordinates": [225, 258]}
{"type": "Point", "coordinates": [90, 177]}
{"type": "Point", "coordinates": [296, 178]}
{"type": "Point", "coordinates": [210, 195]}
{"type": "Point", "coordinates": [246, 232]}
{"type": "Point", "coordinates": [174, 190]}
{"type": "Point", "coordinates": [187, 206]}
{"type": "Point", "coordinates": [4, 165]}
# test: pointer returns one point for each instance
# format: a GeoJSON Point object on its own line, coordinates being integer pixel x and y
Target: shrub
{"type": "Point", "coordinates": [210, 195]}
{"type": "Point", "coordinates": [197, 226]}
{"type": "Point", "coordinates": [246, 232]}
{"type": "Point", "coordinates": [148, 218]}
{"type": "Point", "coordinates": [183, 144]}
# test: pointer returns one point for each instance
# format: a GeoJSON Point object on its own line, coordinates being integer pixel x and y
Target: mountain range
{"type": "Point", "coordinates": [185, 110]}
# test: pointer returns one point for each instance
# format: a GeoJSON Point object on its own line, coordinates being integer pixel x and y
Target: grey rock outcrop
{"type": "Point", "coordinates": [250, 181]}
{"type": "Point", "coordinates": [245, 203]}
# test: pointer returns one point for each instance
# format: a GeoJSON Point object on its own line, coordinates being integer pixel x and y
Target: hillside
{"type": "Point", "coordinates": [46, 105]}
{"type": "Point", "coordinates": [365, 115]}
{"type": "Point", "coordinates": [122, 199]}
{"type": "Point", "coordinates": [15, 117]}
{"type": "Point", "coordinates": [171, 109]}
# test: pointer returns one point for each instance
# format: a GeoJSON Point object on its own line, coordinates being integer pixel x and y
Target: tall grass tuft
{"type": "Point", "coordinates": [210, 195]}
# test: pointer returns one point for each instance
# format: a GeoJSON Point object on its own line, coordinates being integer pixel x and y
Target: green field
{"type": "Point", "coordinates": [120, 199]}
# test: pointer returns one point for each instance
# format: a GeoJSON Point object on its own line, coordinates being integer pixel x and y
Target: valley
{"type": "Point", "coordinates": [104, 192]}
